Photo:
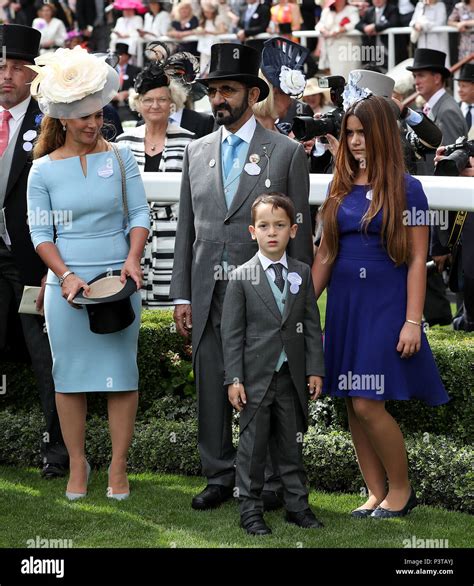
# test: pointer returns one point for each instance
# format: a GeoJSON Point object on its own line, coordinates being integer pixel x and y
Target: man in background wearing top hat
{"type": "Point", "coordinates": [466, 93]}
{"type": "Point", "coordinates": [223, 173]}
{"type": "Point", "coordinates": [462, 259]}
{"type": "Point", "coordinates": [19, 264]}
{"type": "Point", "coordinates": [430, 76]}
{"type": "Point", "coordinates": [127, 74]}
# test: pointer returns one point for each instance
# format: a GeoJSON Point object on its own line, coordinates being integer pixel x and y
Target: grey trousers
{"type": "Point", "coordinates": [279, 415]}
{"type": "Point", "coordinates": [214, 409]}
{"type": "Point", "coordinates": [53, 450]}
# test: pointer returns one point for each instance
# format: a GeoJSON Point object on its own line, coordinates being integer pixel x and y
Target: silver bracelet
{"type": "Point", "coordinates": [62, 278]}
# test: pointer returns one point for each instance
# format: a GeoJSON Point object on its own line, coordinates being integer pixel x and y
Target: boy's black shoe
{"type": "Point", "coordinates": [254, 524]}
{"type": "Point", "coordinates": [211, 497]}
{"type": "Point", "coordinates": [272, 500]}
{"type": "Point", "coordinates": [305, 519]}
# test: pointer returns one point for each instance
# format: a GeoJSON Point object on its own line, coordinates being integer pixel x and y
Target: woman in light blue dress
{"type": "Point", "coordinates": [77, 227]}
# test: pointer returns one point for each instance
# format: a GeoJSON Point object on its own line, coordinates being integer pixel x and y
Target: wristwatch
{"type": "Point", "coordinates": [62, 278]}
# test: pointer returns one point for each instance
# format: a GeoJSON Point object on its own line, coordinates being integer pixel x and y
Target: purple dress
{"type": "Point", "coordinates": [366, 310]}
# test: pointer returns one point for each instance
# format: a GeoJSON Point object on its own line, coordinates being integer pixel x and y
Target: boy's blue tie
{"type": "Point", "coordinates": [230, 152]}
{"type": "Point", "coordinates": [279, 280]}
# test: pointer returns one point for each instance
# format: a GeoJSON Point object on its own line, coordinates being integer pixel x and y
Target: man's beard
{"type": "Point", "coordinates": [225, 115]}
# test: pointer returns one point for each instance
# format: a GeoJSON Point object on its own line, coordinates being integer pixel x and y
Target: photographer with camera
{"type": "Point", "coordinates": [420, 135]}
{"type": "Point", "coordinates": [453, 249]}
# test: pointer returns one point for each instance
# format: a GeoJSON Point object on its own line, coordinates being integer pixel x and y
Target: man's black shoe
{"type": "Point", "coordinates": [305, 519]}
{"type": "Point", "coordinates": [53, 471]}
{"type": "Point", "coordinates": [272, 500]}
{"type": "Point", "coordinates": [460, 323]}
{"type": "Point", "coordinates": [211, 497]}
{"type": "Point", "coordinates": [255, 525]}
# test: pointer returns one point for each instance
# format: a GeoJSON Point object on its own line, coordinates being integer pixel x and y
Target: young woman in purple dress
{"type": "Point", "coordinates": [372, 258]}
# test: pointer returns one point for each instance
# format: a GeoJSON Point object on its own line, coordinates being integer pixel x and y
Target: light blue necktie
{"type": "Point", "coordinates": [230, 152]}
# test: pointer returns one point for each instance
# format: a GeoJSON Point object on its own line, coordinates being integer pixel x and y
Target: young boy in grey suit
{"type": "Point", "coordinates": [273, 358]}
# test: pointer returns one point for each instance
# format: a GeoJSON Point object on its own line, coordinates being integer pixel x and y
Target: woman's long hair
{"type": "Point", "coordinates": [385, 166]}
{"type": "Point", "coordinates": [51, 137]}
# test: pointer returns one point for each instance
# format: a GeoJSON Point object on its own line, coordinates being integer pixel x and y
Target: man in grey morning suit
{"type": "Point", "coordinates": [223, 173]}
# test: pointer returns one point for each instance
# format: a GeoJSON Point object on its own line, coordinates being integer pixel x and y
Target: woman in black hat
{"type": "Point", "coordinates": [158, 146]}
{"type": "Point", "coordinates": [88, 195]}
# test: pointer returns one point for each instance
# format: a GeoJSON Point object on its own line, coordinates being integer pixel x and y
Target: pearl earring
{"type": "Point", "coordinates": [64, 128]}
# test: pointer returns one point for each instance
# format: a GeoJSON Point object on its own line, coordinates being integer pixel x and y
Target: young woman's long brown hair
{"type": "Point", "coordinates": [385, 166]}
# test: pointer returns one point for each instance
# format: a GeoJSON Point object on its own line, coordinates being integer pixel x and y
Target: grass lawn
{"type": "Point", "coordinates": [159, 515]}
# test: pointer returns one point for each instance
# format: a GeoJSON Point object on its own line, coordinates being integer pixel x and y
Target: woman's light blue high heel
{"type": "Point", "coordinates": [117, 496]}
{"type": "Point", "coordinates": [74, 496]}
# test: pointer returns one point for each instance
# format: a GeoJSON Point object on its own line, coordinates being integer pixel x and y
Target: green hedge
{"type": "Point", "coordinates": [164, 361]}
{"type": "Point", "coordinates": [440, 470]}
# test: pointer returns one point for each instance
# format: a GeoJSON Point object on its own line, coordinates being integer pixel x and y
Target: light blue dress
{"type": "Point", "coordinates": [87, 213]}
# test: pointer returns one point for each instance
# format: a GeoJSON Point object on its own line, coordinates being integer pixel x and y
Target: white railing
{"type": "Point", "coordinates": [444, 193]}
{"type": "Point", "coordinates": [302, 35]}
{"type": "Point", "coordinates": [391, 32]}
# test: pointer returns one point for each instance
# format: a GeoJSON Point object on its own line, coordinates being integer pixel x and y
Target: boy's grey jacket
{"type": "Point", "coordinates": [254, 333]}
{"type": "Point", "coordinates": [205, 225]}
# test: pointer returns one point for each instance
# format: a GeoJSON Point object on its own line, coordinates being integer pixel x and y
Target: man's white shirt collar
{"type": "Point", "coordinates": [266, 262]}
{"type": "Point", "coordinates": [19, 110]}
{"type": "Point", "coordinates": [436, 97]}
{"type": "Point", "coordinates": [245, 132]}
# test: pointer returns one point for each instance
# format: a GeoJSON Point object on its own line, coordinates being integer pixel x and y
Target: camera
{"type": "Point", "coordinates": [306, 127]}
{"type": "Point", "coordinates": [455, 158]}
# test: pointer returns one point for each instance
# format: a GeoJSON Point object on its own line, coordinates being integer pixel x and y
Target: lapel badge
{"type": "Point", "coordinates": [212, 163]}
{"type": "Point", "coordinates": [295, 281]}
{"type": "Point", "coordinates": [254, 158]}
{"type": "Point", "coordinates": [30, 135]}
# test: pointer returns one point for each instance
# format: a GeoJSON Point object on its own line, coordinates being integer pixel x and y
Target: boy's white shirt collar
{"type": "Point", "coordinates": [266, 262]}
{"type": "Point", "coordinates": [245, 132]}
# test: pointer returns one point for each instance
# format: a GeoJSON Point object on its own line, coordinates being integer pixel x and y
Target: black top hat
{"type": "Point", "coordinates": [20, 42]}
{"type": "Point", "coordinates": [431, 60]}
{"type": "Point", "coordinates": [278, 53]}
{"type": "Point", "coordinates": [108, 304]}
{"type": "Point", "coordinates": [122, 49]}
{"type": "Point", "coordinates": [466, 73]}
{"type": "Point", "coordinates": [236, 62]}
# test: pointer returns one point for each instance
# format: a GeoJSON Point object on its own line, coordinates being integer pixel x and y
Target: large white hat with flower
{"type": "Point", "coordinates": [72, 83]}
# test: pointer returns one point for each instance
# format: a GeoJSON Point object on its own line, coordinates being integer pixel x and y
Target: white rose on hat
{"type": "Point", "coordinates": [66, 75]}
{"type": "Point", "coordinates": [292, 81]}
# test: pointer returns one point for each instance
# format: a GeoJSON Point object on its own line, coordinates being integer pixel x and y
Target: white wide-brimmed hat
{"type": "Point", "coordinates": [72, 83]}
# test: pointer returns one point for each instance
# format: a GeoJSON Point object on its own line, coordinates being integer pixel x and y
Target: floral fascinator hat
{"type": "Point", "coordinates": [72, 83]}
{"type": "Point", "coordinates": [352, 92]}
{"type": "Point", "coordinates": [282, 65]}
